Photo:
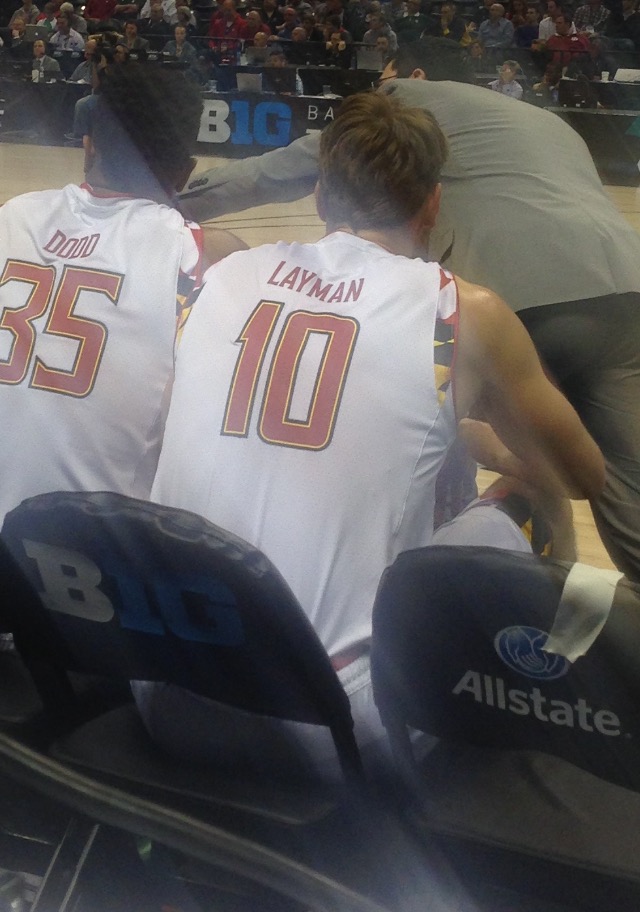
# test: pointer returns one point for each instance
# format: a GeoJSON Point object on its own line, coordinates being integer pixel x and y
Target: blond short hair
{"type": "Point", "coordinates": [379, 161]}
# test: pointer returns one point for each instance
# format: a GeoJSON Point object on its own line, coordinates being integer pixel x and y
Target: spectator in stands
{"type": "Point", "coordinates": [329, 9]}
{"type": "Point", "coordinates": [591, 17]}
{"type": "Point", "coordinates": [301, 7]}
{"type": "Point", "coordinates": [447, 25]}
{"type": "Point", "coordinates": [517, 13]}
{"type": "Point", "coordinates": [290, 21]}
{"type": "Point", "coordinates": [253, 24]}
{"type": "Point", "coordinates": [78, 23]}
{"type": "Point", "coordinates": [476, 56]}
{"type": "Point", "coordinates": [28, 12]}
{"type": "Point", "coordinates": [227, 22]}
{"type": "Point", "coordinates": [470, 34]}
{"type": "Point", "coordinates": [277, 59]}
{"type": "Point", "coordinates": [46, 67]}
{"type": "Point", "coordinates": [271, 14]}
{"type": "Point", "coordinates": [547, 88]}
{"type": "Point", "coordinates": [85, 107]}
{"type": "Point", "coordinates": [186, 17]}
{"type": "Point", "coordinates": [506, 83]}
{"type": "Point", "coordinates": [338, 50]}
{"type": "Point", "coordinates": [394, 11]}
{"type": "Point", "coordinates": [564, 44]}
{"type": "Point", "coordinates": [411, 26]}
{"type": "Point", "coordinates": [169, 10]}
{"type": "Point", "coordinates": [377, 27]}
{"type": "Point", "coordinates": [297, 51]}
{"type": "Point", "coordinates": [382, 46]}
{"type": "Point", "coordinates": [97, 11]}
{"type": "Point", "coordinates": [121, 54]}
{"type": "Point", "coordinates": [594, 64]}
{"type": "Point", "coordinates": [47, 17]}
{"type": "Point", "coordinates": [18, 26]}
{"type": "Point", "coordinates": [20, 48]}
{"type": "Point", "coordinates": [313, 30]}
{"type": "Point", "coordinates": [155, 27]}
{"type": "Point", "coordinates": [623, 27]}
{"type": "Point", "coordinates": [82, 72]}
{"type": "Point", "coordinates": [180, 47]}
{"type": "Point", "coordinates": [547, 26]}
{"type": "Point", "coordinates": [482, 12]}
{"type": "Point", "coordinates": [355, 16]}
{"type": "Point", "coordinates": [66, 38]}
{"type": "Point", "coordinates": [332, 26]}
{"type": "Point", "coordinates": [496, 31]}
{"type": "Point", "coordinates": [260, 40]}
{"type": "Point", "coordinates": [128, 11]}
{"type": "Point", "coordinates": [526, 34]}
{"type": "Point", "coordinates": [132, 41]}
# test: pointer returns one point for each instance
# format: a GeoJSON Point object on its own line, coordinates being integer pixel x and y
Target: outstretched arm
{"type": "Point", "coordinates": [499, 372]}
{"type": "Point", "coordinates": [276, 177]}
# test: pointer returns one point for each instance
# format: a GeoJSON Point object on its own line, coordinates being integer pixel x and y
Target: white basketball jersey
{"type": "Point", "coordinates": [309, 415]}
{"type": "Point", "coordinates": [88, 287]}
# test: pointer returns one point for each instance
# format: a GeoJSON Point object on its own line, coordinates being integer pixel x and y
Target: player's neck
{"type": "Point", "coordinates": [400, 241]}
{"type": "Point", "coordinates": [144, 187]}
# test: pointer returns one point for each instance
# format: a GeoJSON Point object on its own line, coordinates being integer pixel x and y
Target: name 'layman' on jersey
{"type": "Point", "coordinates": [530, 220]}
{"type": "Point", "coordinates": [90, 277]}
{"type": "Point", "coordinates": [326, 402]}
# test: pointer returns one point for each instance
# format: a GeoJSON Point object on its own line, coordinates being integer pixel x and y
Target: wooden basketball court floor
{"type": "Point", "coordinates": [24, 168]}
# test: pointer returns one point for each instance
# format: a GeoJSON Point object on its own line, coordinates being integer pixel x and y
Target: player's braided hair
{"type": "Point", "coordinates": [379, 160]}
{"type": "Point", "coordinates": [158, 112]}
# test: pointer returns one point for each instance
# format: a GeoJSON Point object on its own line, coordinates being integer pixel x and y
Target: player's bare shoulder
{"type": "Point", "coordinates": [483, 317]}
{"type": "Point", "coordinates": [479, 304]}
{"type": "Point", "coordinates": [218, 243]}
{"type": "Point", "coordinates": [489, 337]}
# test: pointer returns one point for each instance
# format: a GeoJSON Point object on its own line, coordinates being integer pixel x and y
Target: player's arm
{"type": "Point", "coordinates": [218, 244]}
{"type": "Point", "coordinates": [499, 372]}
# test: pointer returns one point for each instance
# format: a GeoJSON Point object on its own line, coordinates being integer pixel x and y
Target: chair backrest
{"type": "Point", "coordinates": [457, 651]}
{"type": "Point", "coordinates": [133, 590]}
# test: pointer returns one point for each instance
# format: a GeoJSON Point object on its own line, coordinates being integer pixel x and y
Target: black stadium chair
{"type": "Point", "coordinates": [179, 601]}
{"type": "Point", "coordinates": [532, 787]}
{"type": "Point", "coordinates": [19, 700]}
{"type": "Point", "coordinates": [132, 590]}
{"type": "Point", "coordinates": [139, 591]}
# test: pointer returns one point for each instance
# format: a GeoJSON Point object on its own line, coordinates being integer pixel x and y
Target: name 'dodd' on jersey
{"type": "Point", "coordinates": [72, 248]}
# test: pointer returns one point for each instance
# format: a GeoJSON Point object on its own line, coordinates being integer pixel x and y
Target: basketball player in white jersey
{"type": "Point", "coordinates": [330, 381]}
{"type": "Point", "coordinates": [90, 277]}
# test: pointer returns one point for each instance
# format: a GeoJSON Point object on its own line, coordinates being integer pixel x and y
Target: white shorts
{"type": "Point", "coordinates": [193, 727]}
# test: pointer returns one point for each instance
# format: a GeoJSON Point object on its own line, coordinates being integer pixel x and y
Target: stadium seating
{"type": "Point", "coordinates": [532, 787]}
{"type": "Point", "coordinates": [131, 590]}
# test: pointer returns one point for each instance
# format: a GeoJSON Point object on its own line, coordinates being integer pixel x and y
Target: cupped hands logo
{"type": "Point", "coordinates": [522, 649]}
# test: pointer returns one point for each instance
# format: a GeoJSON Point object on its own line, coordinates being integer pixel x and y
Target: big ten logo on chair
{"type": "Point", "coordinates": [191, 606]}
{"type": "Point", "coordinates": [267, 124]}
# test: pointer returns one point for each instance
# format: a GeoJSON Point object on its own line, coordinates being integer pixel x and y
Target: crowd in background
{"type": "Point", "coordinates": [577, 38]}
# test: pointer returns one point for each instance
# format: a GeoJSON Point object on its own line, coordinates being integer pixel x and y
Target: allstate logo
{"type": "Point", "coordinates": [521, 648]}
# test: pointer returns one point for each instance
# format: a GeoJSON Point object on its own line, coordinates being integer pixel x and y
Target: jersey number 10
{"type": "Point", "coordinates": [60, 301]}
{"type": "Point", "coordinates": [275, 424]}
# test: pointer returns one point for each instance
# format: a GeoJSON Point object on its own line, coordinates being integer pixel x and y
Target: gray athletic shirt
{"type": "Point", "coordinates": [523, 210]}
